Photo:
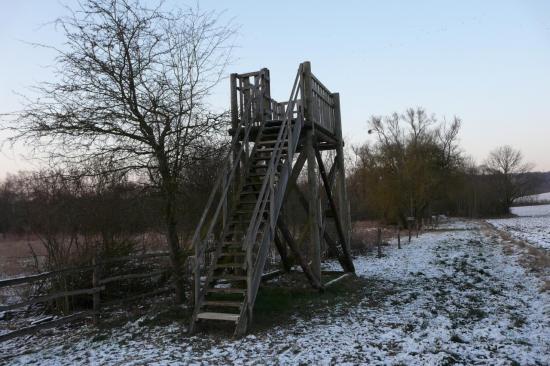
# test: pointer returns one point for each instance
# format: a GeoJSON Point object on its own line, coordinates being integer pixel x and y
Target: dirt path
{"type": "Point", "coordinates": [458, 296]}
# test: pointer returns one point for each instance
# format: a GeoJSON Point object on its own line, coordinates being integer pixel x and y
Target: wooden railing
{"type": "Point", "coordinates": [270, 198]}
{"type": "Point", "coordinates": [251, 105]}
{"type": "Point", "coordinates": [322, 106]}
{"type": "Point", "coordinates": [97, 285]}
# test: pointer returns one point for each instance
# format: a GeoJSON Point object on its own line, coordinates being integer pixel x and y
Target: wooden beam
{"type": "Point", "coordinates": [281, 248]}
{"type": "Point", "coordinates": [57, 295]}
{"type": "Point", "coordinates": [349, 262]}
{"type": "Point", "coordinates": [50, 324]}
{"type": "Point", "coordinates": [336, 280]}
{"type": "Point", "coordinates": [313, 204]}
{"type": "Point", "coordinates": [313, 280]}
{"type": "Point", "coordinates": [343, 201]}
{"type": "Point", "coordinates": [131, 276]}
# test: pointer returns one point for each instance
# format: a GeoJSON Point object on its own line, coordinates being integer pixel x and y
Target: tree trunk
{"type": "Point", "coordinates": [173, 245]}
{"type": "Point", "coordinates": [169, 188]}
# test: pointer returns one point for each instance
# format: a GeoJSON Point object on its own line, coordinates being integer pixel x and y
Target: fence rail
{"type": "Point", "coordinates": [97, 286]}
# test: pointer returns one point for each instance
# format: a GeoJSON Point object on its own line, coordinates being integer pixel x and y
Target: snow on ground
{"type": "Point", "coordinates": [447, 297]}
{"type": "Point", "coordinates": [531, 225]}
{"type": "Point", "coordinates": [456, 224]}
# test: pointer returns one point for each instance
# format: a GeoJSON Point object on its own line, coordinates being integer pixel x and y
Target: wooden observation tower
{"type": "Point", "coordinates": [272, 143]}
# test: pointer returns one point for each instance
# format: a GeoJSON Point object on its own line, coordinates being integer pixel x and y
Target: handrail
{"type": "Point", "coordinates": [251, 106]}
{"type": "Point", "coordinates": [262, 200]}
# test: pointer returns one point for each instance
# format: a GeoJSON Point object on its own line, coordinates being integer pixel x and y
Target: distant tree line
{"type": "Point", "coordinates": [415, 168]}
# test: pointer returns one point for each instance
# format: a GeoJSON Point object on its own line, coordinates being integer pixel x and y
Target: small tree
{"type": "Point", "coordinates": [507, 169]}
{"type": "Point", "coordinates": [131, 88]}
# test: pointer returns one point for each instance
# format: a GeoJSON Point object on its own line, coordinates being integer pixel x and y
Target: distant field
{"type": "Point", "coordinates": [535, 198]}
{"type": "Point", "coordinates": [531, 225]}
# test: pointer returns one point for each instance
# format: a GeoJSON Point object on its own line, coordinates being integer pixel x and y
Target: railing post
{"type": "Point", "coordinates": [307, 92]}
{"type": "Point", "coordinates": [234, 103]}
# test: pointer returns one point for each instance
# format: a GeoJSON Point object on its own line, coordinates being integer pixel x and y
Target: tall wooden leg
{"type": "Point", "coordinates": [313, 212]}
{"type": "Point", "coordinates": [281, 247]}
{"type": "Point", "coordinates": [343, 202]}
{"type": "Point", "coordinates": [313, 280]}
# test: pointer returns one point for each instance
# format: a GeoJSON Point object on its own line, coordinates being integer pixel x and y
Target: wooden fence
{"type": "Point", "coordinates": [96, 287]}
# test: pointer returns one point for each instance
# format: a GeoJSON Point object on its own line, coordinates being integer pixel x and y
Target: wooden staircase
{"type": "Point", "coordinates": [229, 266]}
{"type": "Point", "coordinates": [226, 292]}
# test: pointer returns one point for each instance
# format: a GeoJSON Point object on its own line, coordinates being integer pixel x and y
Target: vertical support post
{"type": "Point", "coordinates": [313, 212]}
{"type": "Point", "coordinates": [96, 278]}
{"type": "Point", "coordinates": [343, 203]}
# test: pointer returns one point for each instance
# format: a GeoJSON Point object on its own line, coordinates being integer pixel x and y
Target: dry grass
{"type": "Point", "coordinates": [16, 256]}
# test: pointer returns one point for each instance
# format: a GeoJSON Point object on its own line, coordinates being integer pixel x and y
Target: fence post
{"type": "Point", "coordinates": [398, 236]}
{"type": "Point", "coordinates": [95, 284]}
{"type": "Point", "coordinates": [379, 242]}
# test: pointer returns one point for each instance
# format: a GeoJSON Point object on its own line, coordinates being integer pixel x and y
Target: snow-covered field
{"type": "Point", "coordinates": [531, 225]}
{"type": "Point", "coordinates": [448, 297]}
{"type": "Point", "coordinates": [542, 197]}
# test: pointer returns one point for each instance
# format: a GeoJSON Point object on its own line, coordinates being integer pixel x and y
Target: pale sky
{"type": "Point", "coordinates": [487, 62]}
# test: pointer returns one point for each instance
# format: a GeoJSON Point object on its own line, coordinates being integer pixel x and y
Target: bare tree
{"type": "Point", "coordinates": [130, 88]}
{"type": "Point", "coordinates": [506, 165]}
{"type": "Point", "coordinates": [409, 168]}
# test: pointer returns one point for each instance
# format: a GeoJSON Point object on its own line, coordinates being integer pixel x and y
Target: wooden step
{"type": "Point", "coordinates": [269, 136]}
{"type": "Point", "coordinates": [232, 304]}
{"type": "Point", "coordinates": [271, 142]}
{"type": "Point", "coordinates": [229, 277]}
{"type": "Point", "coordinates": [247, 202]}
{"type": "Point", "coordinates": [218, 316]}
{"type": "Point", "coordinates": [226, 290]}
{"type": "Point", "coordinates": [254, 175]}
{"type": "Point", "coordinates": [229, 265]}
{"type": "Point", "coordinates": [270, 149]}
{"type": "Point", "coordinates": [232, 254]}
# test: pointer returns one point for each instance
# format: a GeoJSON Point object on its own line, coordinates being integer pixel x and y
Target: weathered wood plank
{"type": "Point", "coordinates": [57, 295]}
{"type": "Point", "coordinates": [131, 276]}
{"type": "Point", "coordinates": [50, 324]}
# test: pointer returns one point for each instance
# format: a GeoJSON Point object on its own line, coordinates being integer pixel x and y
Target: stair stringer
{"type": "Point", "coordinates": [268, 234]}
